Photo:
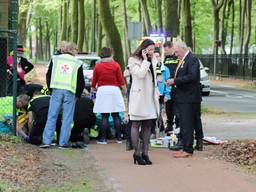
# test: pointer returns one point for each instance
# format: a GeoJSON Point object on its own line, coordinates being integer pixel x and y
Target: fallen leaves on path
{"type": "Point", "coordinates": [19, 165]}
{"type": "Point", "coordinates": [240, 151]}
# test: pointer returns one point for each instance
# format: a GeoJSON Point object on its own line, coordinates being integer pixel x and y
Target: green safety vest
{"type": "Point", "coordinates": [64, 72]}
{"type": "Point", "coordinates": [158, 71]}
{"type": "Point", "coordinates": [171, 61]}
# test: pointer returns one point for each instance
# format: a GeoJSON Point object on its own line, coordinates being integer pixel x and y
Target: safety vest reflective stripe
{"type": "Point", "coordinates": [36, 97]}
{"type": "Point", "coordinates": [64, 72]}
{"type": "Point", "coordinates": [168, 62]}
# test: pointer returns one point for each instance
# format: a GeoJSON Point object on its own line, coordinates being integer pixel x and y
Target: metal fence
{"type": "Point", "coordinates": [8, 74]}
{"type": "Point", "coordinates": [235, 66]}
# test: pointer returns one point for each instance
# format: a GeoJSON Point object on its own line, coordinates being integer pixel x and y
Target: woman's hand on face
{"type": "Point", "coordinates": [144, 54]}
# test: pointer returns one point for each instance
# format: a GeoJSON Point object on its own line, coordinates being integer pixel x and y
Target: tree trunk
{"type": "Point", "coordinates": [139, 11]}
{"type": "Point", "coordinates": [60, 20]}
{"type": "Point", "coordinates": [48, 41]}
{"type": "Point", "coordinates": [111, 31]}
{"type": "Point", "coordinates": [74, 20]}
{"type": "Point", "coordinates": [64, 29]}
{"type": "Point", "coordinates": [232, 26]}
{"type": "Point", "coordinates": [99, 38]}
{"type": "Point", "coordinates": [242, 24]}
{"type": "Point", "coordinates": [216, 6]}
{"type": "Point", "coordinates": [81, 26]}
{"type": "Point", "coordinates": [248, 26]}
{"type": "Point", "coordinates": [93, 32]}
{"type": "Point", "coordinates": [224, 25]}
{"type": "Point", "coordinates": [37, 55]}
{"type": "Point", "coordinates": [146, 16]}
{"type": "Point", "coordinates": [187, 23]}
{"type": "Point", "coordinates": [172, 18]}
{"type": "Point", "coordinates": [41, 39]}
{"type": "Point", "coordinates": [159, 16]}
{"type": "Point", "coordinates": [30, 46]}
{"type": "Point", "coordinates": [127, 43]}
{"type": "Point", "coordinates": [22, 24]}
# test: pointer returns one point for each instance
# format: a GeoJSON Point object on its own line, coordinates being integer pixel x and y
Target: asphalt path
{"type": "Point", "coordinates": [231, 99]}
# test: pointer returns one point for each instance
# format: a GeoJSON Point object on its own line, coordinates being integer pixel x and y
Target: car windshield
{"type": "Point", "coordinates": [88, 64]}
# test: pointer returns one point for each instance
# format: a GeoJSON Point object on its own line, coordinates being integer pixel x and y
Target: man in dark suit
{"type": "Point", "coordinates": [188, 97]}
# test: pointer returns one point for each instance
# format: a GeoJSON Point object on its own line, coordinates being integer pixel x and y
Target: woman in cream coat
{"type": "Point", "coordinates": [143, 102]}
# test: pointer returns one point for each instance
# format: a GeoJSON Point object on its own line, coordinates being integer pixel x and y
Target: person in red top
{"type": "Point", "coordinates": [108, 77]}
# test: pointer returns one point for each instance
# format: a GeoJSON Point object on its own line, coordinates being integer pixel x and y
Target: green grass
{"type": "Point", "coordinates": [8, 187]}
{"type": "Point", "coordinates": [211, 110]}
{"type": "Point", "coordinates": [251, 169]}
{"type": "Point", "coordinates": [250, 86]}
{"type": "Point", "coordinates": [84, 186]}
{"type": "Point", "coordinates": [5, 138]}
{"type": "Point", "coordinates": [216, 111]}
{"type": "Point", "coordinates": [70, 153]}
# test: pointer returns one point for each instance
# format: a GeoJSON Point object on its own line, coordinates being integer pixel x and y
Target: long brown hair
{"type": "Point", "coordinates": [143, 45]}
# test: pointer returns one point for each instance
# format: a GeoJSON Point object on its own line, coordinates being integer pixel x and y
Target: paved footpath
{"type": "Point", "coordinates": [167, 174]}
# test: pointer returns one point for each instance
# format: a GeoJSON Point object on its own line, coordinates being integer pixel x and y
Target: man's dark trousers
{"type": "Point", "coordinates": [188, 117]}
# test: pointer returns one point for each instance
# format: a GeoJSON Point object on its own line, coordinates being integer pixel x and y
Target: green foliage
{"type": "Point", "coordinates": [201, 11]}
{"type": "Point", "coordinates": [9, 138]}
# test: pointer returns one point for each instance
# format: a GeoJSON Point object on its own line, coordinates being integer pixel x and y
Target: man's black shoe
{"type": "Point", "coordinates": [199, 145]}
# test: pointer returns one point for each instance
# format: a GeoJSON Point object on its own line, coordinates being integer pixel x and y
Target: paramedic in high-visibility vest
{"type": "Point", "coordinates": [65, 80]}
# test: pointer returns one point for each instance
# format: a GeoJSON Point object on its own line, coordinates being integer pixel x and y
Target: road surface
{"type": "Point", "coordinates": [230, 99]}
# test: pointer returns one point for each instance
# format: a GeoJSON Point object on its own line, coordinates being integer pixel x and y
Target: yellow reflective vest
{"type": "Point", "coordinates": [64, 72]}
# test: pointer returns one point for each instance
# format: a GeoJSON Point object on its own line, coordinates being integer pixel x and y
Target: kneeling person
{"type": "Point", "coordinates": [37, 117]}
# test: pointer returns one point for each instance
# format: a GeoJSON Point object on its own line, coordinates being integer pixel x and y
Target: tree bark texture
{"type": "Point", "coordinates": [146, 16]}
{"type": "Point", "coordinates": [22, 24]}
{"type": "Point", "coordinates": [232, 25]}
{"type": "Point", "coordinates": [41, 39]}
{"type": "Point", "coordinates": [127, 43]}
{"type": "Point", "coordinates": [187, 23]}
{"type": "Point", "coordinates": [159, 16]}
{"type": "Point", "coordinates": [111, 31]}
{"type": "Point", "coordinates": [81, 25]}
{"type": "Point", "coordinates": [74, 20]}
{"type": "Point", "coordinates": [64, 29]}
{"type": "Point", "coordinates": [172, 18]}
{"type": "Point", "coordinates": [216, 6]}
{"type": "Point", "coordinates": [248, 26]}
{"type": "Point", "coordinates": [224, 25]}
{"type": "Point", "coordinates": [243, 8]}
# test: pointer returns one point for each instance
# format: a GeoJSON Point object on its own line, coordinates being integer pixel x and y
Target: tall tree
{"type": "Point", "coordinates": [224, 24]}
{"type": "Point", "coordinates": [99, 37]}
{"type": "Point", "coordinates": [172, 18]}
{"type": "Point", "coordinates": [127, 43]}
{"type": "Point", "coordinates": [94, 13]}
{"type": "Point", "coordinates": [216, 6]}
{"type": "Point", "coordinates": [74, 20]}
{"type": "Point", "coordinates": [81, 25]}
{"type": "Point", "coordinates": [41, 39]}
{"type": "Point", "coordinates": [48, 43]}
{"type": "Point", "coordinates": [232, 25]}
{"type": "Point", "coordinates": [146, 16]}
{"type": "Point", "coordinates": [159, 16]}
{"type": "Point", "coordinates": [64, 29]}
{"type": "Point", "coordinates": [22, 24]}
{"type": "Point", "coordinates": [248, 26]}
{"type": "Point", "coordinates": [111, 31]}
{"type": "Point", "coordinates": [186, 13]}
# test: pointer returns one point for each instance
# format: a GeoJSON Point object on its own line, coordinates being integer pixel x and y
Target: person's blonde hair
{"type": "Point", "coordinates": [67, 47]}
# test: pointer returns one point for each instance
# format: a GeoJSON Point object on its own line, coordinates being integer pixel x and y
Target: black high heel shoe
{"type": "Point", "coordinates": [146, 159]}
{"type": "Point", "coordinates": [138, 159]}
